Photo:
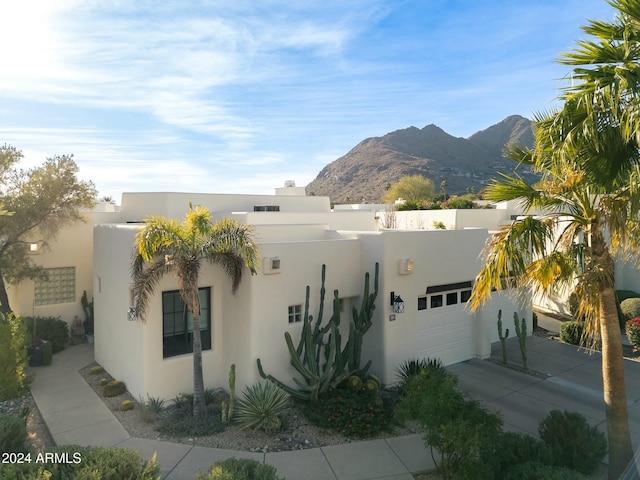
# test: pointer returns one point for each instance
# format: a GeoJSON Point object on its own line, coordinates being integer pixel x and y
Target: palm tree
{"type": "Point", "coordinates": [588, 154]}
{"type": "Point", "coordinates": [164, 245]}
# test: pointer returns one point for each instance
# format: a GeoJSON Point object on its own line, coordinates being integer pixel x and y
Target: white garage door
{"type": "Point", "coordinates": [445, 332]}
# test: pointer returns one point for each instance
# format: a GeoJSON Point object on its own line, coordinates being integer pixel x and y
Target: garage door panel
{"type": "Point", "coordinates": [446, 335]}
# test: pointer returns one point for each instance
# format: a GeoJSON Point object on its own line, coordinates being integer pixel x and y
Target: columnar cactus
{"type": "Point", "coordinates": [319, 357]}
{"type": "Point", "coordinates": [521, 331]}
{"type": "Point", "coordinates": [503, 338]}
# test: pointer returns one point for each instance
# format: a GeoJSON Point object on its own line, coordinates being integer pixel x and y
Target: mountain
{"type": "Point", "coordinates": [467, 164]}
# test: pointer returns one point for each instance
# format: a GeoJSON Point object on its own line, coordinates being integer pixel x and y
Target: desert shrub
{"type": "Point", "coordinates": [630, 308]}
{"type": "Point", "coordinates": [239, 469]}
{"type": "Point", "coordinates": [632, 329]}
{"type": "Point", "coordinates": [622, 295]}
{"type": "Point", "coordinates": [354, 414]}
{"type": "Point", "coordinates": [127, 405]}
{"type": "Point", "coordinates": [416, 366]}
{"type": "Point", "coordinates": [13, 433]}
{"type": "Point", "coordinates": [96, 370]}
{"type": "Point", "coordinates": [409, 205]}
{"type": "Point", "coordinates": [517, 448]}
{"type": "Point", "coordinates": [460, 203]}
{"type": "Point", "coordinates": [51, 329]}
{"type": "Point", "coordinates": [571, 332]}
{"type": "Point", "coordinates": [573, 443]}
{"type": "Point", "coordinates": [114, 388]}
{"type": "Point", "coordinates": [540, 471]}
{"type": "Point", "coordinates": [183, 403]}
{"type": "Point", "coordinates": [87, 463]}
{"type": "Point", "coordinates": [262, 406]}
{"type": "Point", "coordinates": [156, 404]}
{"type": "Point", "coordinates": [463, 433]}
{"type": "Point", "coordinates": [13, 357]}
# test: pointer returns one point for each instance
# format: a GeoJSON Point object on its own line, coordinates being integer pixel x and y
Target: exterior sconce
{"type": "Point", "coordinates": [34, 247]}
{"type": "Point", "coordinates": [405, 266]}
{"type": "Point", "coordinates": [397, 303]}
{"type": "Point", "coordinates": [132, 316]}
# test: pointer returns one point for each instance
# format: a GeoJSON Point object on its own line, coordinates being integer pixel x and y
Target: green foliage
{"type": "Point", "coordinates": [541, 471]}
{"type": "Point", "coordinates": [521, 332]}
{"type": "Point", "coordinates": [359, 414]}
{"type": "Point", "coordinates": [103, 382]}
{"type": "Point", "coordinates": [622, 295]}
{"type": "Point", "coordinates": [320, 359]}
{"type": "Point", "coordinates": [418, 366]}
{"type": "Point", "coordinates": [86, 463]}
{"type": "Point", "coordinates": [51, 329]}
{"type": "Point", "coordinates": [228, 406]}
{"type": "Point", "coordinates": [239, 469]}
{"type": "Point", "coordinates": [517, 448]}
{"type": "Point", "coordinates": [96, 370]}
{"type": "Point", "coordinates": [462, 432]}
{"type": "Point", "coordinates": [262, 407]}
{"type": "Point", "coordinates": [438, 225]}
{"type": "Point", "coordinates": [43, 199]}
{"type": "Point", "coordinates": [572, 442]}
{"type": "Point", "coordinates": [47, 349]}
{"type": "Point", "coordinates": [409, 206]}
{"type": "Point", "coordinates": [630, 308]}
{"type": "Point", "coordinates": [114, 388]}
{"type": "Point", "coordinates": [127, 405]}
{"type": "Point", "coordinates": [571, 332]}
{"type": "Point", "coordinates": [412, 188]}
{"type": "Point", "coordinates": [13, 357]}
{"type": "Point", "coordinates": [354, 382]}
{"type": "Point", "coordinates": [13, 434]}
{"type": "Point", "coordinates": [503, 338]}
{"type": "Point", "coordinates": [460, 202]}
{"type": "Point", "coordinates": [150, 407]}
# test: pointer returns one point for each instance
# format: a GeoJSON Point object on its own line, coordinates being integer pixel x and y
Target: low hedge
{"type": "Point", "coordinates": [52, 329]}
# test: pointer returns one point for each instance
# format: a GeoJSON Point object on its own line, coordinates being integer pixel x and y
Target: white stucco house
{"type": "Point", "coordinates": [431, 271]}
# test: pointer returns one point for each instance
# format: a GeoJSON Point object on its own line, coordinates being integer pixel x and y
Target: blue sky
{"type": "Point", "coordinates": [239, 96]}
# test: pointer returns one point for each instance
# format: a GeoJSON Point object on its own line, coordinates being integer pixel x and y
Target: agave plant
{"type": "Point", "coordinates": [262, 406]}
{"type": "Point", "coordinates": [417, 366]}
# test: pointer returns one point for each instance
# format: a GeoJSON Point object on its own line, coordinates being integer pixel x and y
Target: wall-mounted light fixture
{"type": "Point", "coordinates": [405, 266]}
{"type": "Point", "coordinates": [34, 247]}
{"type": "Point", "coordinates": [397, 304]}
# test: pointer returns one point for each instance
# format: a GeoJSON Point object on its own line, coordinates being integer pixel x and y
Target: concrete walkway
{"type": "Point", "coordinates": [76, 415]}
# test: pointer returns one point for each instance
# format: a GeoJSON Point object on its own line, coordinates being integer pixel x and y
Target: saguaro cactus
{"type": "Point", "coordinates": [319, 358]}
{"type": "Point", "coordinates": [521, 331]}
{"type": "Point", "coordinates": [503, 338]}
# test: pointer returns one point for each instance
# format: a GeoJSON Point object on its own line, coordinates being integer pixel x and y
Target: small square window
{"type": "Point", "coordinates": [465, 295]}
{"type": "Point", "coordinates": [295, 313]}
{"type": "Point", "coordinates": [436, 301]}
{"type": "Point", "coordinates": [422, 303]}
{"type": "Point", "coordinates": [452, 298]}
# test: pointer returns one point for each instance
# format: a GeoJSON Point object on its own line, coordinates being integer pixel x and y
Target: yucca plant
{"type": "Point", "coordinates": [262, 406]}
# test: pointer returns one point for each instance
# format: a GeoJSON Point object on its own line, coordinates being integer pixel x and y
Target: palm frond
{"type": "Point", "coordinates": [146, 276]}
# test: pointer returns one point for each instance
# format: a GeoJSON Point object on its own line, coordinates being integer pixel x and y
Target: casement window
{"type": "Point", "coordinates": [58, 285]}
{"type": "Point", "coordinates": [177, 323]}
{"type": "Point", "coordinates": [295, 313]}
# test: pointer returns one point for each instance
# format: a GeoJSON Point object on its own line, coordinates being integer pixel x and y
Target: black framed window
{"type": "Point", "coordinates": [295, 313]}
{"type": "Point", "coordinates": [465, 295]}
{"type": "Point", "coordinates": [436, 301]}
{"type": "Point", "coordinates": [422, 303]}
{"type": "Point", "coordinates": [452, 298]}
{"type": "Point", "coordinates": [177, 323]}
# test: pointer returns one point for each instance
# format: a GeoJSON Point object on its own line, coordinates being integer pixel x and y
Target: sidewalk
{"type": "Point", "coordinates": [76, 415]}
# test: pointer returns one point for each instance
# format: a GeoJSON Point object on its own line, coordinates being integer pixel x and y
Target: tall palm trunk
{"type": "Point", "coordinates": [613, 382]}
{"type": "Point", "coordinates": [199, 406]}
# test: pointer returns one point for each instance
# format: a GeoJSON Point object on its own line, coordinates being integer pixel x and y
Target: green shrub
{"type": "Point", "coordinates": [622, 295]}
{"type": "Point", "coordinates": [47, 353]}
{"type": "Point", "coordinates": [632, 329]}
{"type": "Point", "coordinates": [463, 433]}
{"type": "Point", "coordinates": [86, 463]}
{"type": "Point", "coordinates": [13, 434]}
{"type": "Point", "coordinates": [114, 388]}
{"type": "Point", "coordinates": [239, 469]}
{"type": "Point", "coordinates": [13, 357]}
{"type": "Point", "coordinates": [572, 442]}
{"type": "Point", "coordinates": [571, 332]}
{"type": "Point", "coordinates": [416, 366]}
{"type": "Point", "coordinates": [354, 414]}
{"type": "Point", "coordinates": [51, 329]}
{"type": "Point", "coordinates": [262, 406]}
{"type": "Point", "coordinates": [517, 448]}
{"type": "Point", "coordinates": [630, 308]}
{"type": "Point", "coordinates": [540, 471]}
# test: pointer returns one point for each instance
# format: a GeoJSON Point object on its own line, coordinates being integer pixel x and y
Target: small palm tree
{"type": "Point", "coordinates": [164, 246]}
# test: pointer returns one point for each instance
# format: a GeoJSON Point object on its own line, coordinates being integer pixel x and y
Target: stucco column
{"type": "Point", "coordinates": [481, 334]}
